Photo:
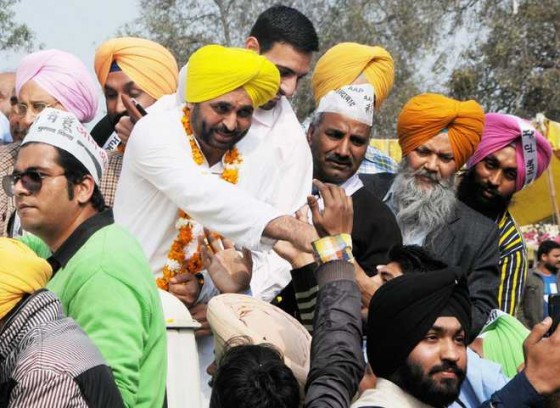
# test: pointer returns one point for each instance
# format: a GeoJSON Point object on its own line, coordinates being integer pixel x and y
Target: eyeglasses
{"type": "Point", "coordinates": [31, 180]}
{"type": "Point", "coordinates": [36, 108]}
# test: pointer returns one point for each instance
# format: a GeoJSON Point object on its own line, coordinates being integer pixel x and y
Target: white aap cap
{"type": "Point", "coordinates": [63, 130]}
{"type": "Point", "coordinates": [353, 101]}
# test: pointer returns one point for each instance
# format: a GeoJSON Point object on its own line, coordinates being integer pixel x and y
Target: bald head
{"type": "Point", "coordinates": [7, 89]}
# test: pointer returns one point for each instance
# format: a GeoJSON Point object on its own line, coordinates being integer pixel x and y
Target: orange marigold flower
{"type": "Point", "coordinates": [162, 284]}
{"type": "Point", "coordinates": [167, 273]}
{"type": "Point", "coordinates": [230, 175]}
{"type": "Point", "coordinates": [194, 264]}
{"type": "Point", "coordinates": [232, 159]}
{"type": "Point", "coordinates": [185, 234]}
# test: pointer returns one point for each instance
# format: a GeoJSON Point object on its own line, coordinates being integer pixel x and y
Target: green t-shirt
{"type": "Point", "coordinates": [108, 288]}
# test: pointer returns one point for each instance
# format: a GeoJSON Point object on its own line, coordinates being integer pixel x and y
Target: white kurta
{"type": "Point", "coordinates": [159, 176]}
{"type": "Point", "coordinates": [277, 149]}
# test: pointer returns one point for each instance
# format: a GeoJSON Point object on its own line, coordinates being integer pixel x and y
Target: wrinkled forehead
{"type": "Point", "coordinates": [33, 92]}
{"type": "Point", "coordinates": [440, 144]}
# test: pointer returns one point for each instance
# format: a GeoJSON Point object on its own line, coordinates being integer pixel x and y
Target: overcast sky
{"type": "Point", "coordinates": [76, 26]}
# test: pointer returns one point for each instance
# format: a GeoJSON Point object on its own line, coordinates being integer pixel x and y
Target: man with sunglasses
{"type": "Point", "coordinates": [49, 78]}
{"type": "Point", "coordinates": [100, 272]}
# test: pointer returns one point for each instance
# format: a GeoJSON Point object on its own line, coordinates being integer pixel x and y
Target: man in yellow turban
{"type": "Point", "coordinates": [356, 64]}
{"type": "Point", "coordinates": [180, 167]}
{"type": "Point", "coordinates": [192, 165]}
{"type": "Point", "coordinates": [437, 136]}
{"type": "Point", "coordinates": [36, 339]}
{"type": "Point", "coordinates": [135, 68]}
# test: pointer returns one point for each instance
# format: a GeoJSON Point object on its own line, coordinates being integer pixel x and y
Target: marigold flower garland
{"type": "Point", "coordinates": [184, 254]}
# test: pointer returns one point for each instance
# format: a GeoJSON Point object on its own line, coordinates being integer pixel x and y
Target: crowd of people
{"type": "Point", "coordinates": [321, 273]}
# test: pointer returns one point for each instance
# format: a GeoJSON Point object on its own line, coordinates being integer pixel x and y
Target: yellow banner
{"type": "Point", "coordinates": [553, 134]}
{"type": "Point", "coordinates": [388, 146]}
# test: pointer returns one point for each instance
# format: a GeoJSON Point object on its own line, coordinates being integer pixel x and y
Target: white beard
{"type": "Point", "coordinates": [421, 209]}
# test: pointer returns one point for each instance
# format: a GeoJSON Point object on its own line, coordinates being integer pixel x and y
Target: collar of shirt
{"type": "Point", "coordinates": [388, 199]}
{"type": "Point", "coordinates": [268, 117]}
{"type": "Point", "coordinates": [78, 238]}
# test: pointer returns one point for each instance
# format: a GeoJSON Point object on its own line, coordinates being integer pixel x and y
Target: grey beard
{"type": "Point", "coordinates": [421, 210]}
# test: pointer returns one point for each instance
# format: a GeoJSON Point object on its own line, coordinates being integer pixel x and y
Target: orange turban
{"type": "Point", "coordinates": [151, 66]}
{"type": "Point", "coordinates": [342, 64]}
{"type": "Point", "coordinates": [427, 115]}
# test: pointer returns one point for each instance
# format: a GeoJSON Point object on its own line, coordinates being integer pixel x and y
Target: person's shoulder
{"type": "Point", "coordinates": [468, 216]}
{"type": "Point", "coordinates": [159, 120]}
{"type": "Point", "coordinates": [364, 199]}
{"type": "Point", "coordinates": [115, 242]}
{"type": "Point", "coordinates": [378, 184]}
{"type": "Point", "coordinates": [287, 116]}
{"type": "Point", "coordinates": [8, 154]}
{"type": "Point", "coordinates": [62, 346]}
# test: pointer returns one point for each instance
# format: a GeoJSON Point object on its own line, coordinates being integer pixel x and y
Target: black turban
{"type": "Point", "coordinates": [404, 309]}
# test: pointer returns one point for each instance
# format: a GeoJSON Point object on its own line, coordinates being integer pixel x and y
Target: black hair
{"type": "Point", "coordinates": [285, 25]}
{"type": "Point", "coordinates": [413, 258]}
{"type": "Point", "coordinates": [545, 247]}
{"type": "Point", "coordinates": [253, 376]}
{"type": "Point", "coordinates": [75, 172]}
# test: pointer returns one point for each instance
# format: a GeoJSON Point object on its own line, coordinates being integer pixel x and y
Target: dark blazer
{"type": "Point", "coordinates": [469, 241]}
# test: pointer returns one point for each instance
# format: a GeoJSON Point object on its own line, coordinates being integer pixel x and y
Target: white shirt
{"type": "Point", "coordinates": [275, 147]}
{"type": "Point", "coordinates": [159, 176]}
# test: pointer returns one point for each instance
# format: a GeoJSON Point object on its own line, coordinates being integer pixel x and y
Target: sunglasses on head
{"type": "Point", "coordinates": [31, 180]}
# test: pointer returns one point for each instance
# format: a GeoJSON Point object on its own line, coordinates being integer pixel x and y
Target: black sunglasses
{"type": "Point", "coordinates": [31, 180]}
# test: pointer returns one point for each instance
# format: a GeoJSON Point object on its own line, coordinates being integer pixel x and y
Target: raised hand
{"type": "Point", "coordinates": [230, 271]}
{"type": "Point", "coordinates": [542, 358]}
{"type": "Point", "coordinates": [337, 215]}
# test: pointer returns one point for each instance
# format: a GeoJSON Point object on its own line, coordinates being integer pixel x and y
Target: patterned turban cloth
{"type": "Point", "coordinates": [501, 130]}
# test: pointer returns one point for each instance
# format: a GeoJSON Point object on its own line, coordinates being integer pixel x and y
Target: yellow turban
{"type": "Point", "coordinates": [21, 272]}
{"type": "Point", "coordinates": [342, 64]}
{"type": "Point", "coordinates": [427, 115]}
{"type": "Point", "coordinates": [214, 71]}
{"type": "Point", "coordinates": [151, 66]}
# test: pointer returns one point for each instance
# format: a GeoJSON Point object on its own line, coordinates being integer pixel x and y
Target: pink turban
{"type": "Point", "coordinates": [64, 77]}
{"type": "Point", "coordinates": [501, 130]}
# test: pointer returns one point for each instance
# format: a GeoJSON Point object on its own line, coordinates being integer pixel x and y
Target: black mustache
{"type": "Point", "coordinates": [491, 188]}
{"type": "Point", "coordinates": [448, 366]}
{"type": "Point", "coordinates": [339, 159]}
{"type": "Point", "coordinates": [225, 130]}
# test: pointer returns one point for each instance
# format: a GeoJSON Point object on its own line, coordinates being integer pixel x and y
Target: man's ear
{"type": "Point", "coordinates": [252, 43]}
{"type": "Point", "coordinates": [310, 131]}
{"type": "Point", "coordinates": [83, 190]}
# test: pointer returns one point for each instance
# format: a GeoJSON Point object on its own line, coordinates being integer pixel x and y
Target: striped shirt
{"type": "Point", "coordinates": [513, 264]}
{"type": "Point", "coordinates": [48, 361]}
